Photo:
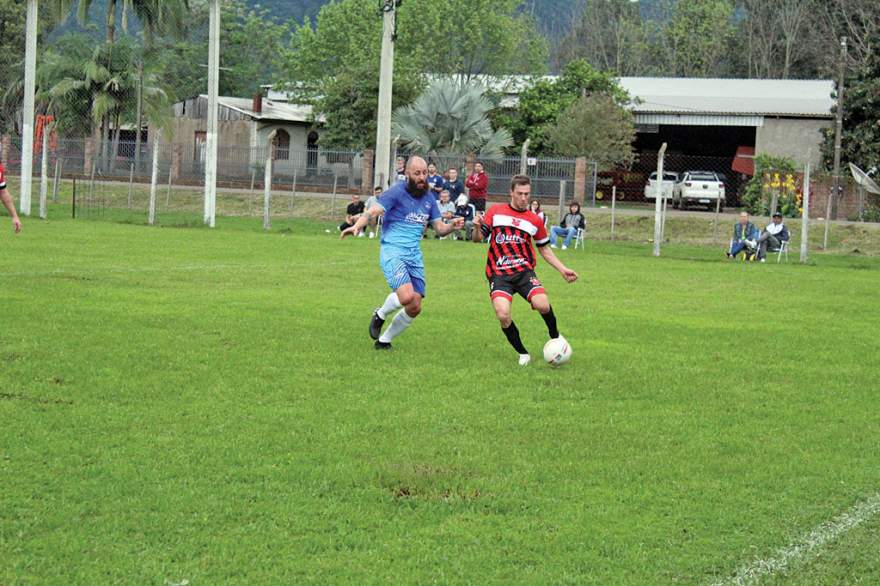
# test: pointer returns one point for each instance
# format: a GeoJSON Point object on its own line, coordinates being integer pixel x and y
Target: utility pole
{"type": "Point", "coordinates": [211, 138]}
{"type": "Point", "coordinates": [27, 127]}
{"type": "Point", "coordinates": [382, 166]}
{"type": "Point", "coordinates": [838, 129]}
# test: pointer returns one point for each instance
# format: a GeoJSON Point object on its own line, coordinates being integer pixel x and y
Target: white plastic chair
{"type": "Point", "coordinates": [579, 239]}
{"type": "Point", "coordinates": [783, 250]}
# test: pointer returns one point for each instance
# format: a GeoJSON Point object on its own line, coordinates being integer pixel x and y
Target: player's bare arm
{"type": "Point", "coordinates": [362, 221]}
{"type": "Point", "coordinates": [552, 260]}
{"type": "Point", "coordinates": [442, 229]}
{"type": "Point", "coordinates": [6, 198]}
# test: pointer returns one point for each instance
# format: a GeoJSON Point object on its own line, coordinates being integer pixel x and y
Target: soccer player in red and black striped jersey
{"type": "Point", "coordinates": [511, 229]}
{"type": "Point", "coordinates": [6, 200]}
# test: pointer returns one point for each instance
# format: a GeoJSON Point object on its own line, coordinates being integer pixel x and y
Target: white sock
{"type": "Point", "coordinates": [391, 303]}
{"type": "Point", "coordinates": [400, 322]}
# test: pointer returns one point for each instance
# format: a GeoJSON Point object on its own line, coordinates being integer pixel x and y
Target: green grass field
{"type": "Point", "coordinates": [205, 406]}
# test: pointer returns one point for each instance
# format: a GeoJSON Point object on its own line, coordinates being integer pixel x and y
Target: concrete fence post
{"type": "Point", "coordinates": [367, 171]}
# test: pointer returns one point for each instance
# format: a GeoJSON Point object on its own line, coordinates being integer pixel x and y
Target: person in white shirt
{"type": "Point", "coordinates": [371, 201]}
{"type": "Point", "coordinates": [447, 209]}
{"type": "Point", "coordinates": [772, 237]}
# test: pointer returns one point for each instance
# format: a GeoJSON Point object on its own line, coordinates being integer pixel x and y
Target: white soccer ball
{"type": "Point", "coordinates": [557, 351]}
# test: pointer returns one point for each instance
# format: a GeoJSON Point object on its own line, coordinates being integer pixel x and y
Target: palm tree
{"type": "Point", "coordinates": [449, 119]}
{"type": "Point", "coordinates": [155, 15]}
{"type": "Point", "coordinates": [78, 75]}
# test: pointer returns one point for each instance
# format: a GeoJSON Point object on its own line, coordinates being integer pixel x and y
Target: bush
{"type": "Point", "coordinates": [774, 175]}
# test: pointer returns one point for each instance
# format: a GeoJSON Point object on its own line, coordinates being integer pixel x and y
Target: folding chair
{"type": "Point", "coordinates": [579, 239]}
{"type": "Point", "coordinates": [783, 250]}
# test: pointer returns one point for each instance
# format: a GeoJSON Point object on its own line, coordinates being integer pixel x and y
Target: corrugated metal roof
{"type": "Point", "coordinates": [272, 110]}
{"type": "Point", "coordinates": [765, 97]}
{"type": "Point", "coordinates": [689, 119]}
{"type": "Point", "coordinates": [674, 95]}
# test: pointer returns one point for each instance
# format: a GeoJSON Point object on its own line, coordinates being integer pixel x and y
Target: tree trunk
{"type": "Point", "coordinates": [111, 21]}
{"type": "Point", "coordinates": [139, 117]}
{"type": "Point", "coordinates": [115, 151]}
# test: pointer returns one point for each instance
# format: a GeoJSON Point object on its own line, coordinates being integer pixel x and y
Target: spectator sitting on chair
{"type": "Point", "coordinates": [453, 184]}
{"type": "Point", "coordinates": [535, 206]}
{"type": "Point", "coordinates": [447, 210]}
{"type": "Point", "coordinates": [352, 213]}
{"type": "Point", "coordinates": [572, 222]}
{"type": "Point", "coordinates": [372, 222]}
{"type": "Point", "coordinates": [478, 187]}
{"type": "Point", "coordinates": [745, 236]}
{"type": "Point", "coordinates": [772, 237]}
{"type": "Point", "coordinates": [463, 209]}
{"type": "Point", "coordinates": [436, 183]}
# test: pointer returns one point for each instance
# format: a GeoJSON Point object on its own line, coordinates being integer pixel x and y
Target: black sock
{"type": "Point", "coordinates": [550, 320]}
{"type": "Point", "coordinates": [512, 334]}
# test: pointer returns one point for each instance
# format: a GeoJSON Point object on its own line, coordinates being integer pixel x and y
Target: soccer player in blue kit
{"type": "Point", "coordinates": [408, 207]}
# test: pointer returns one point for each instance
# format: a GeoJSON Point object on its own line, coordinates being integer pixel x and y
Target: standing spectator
{"type": "Point", "coordinates": [447, 210]}
{"type": "Point", "coordinates": [400, 172]}
{"type": "Point", "coordinates": [371, 201]}
{"type": "Point", "coordinates": [6, 198]}
{"type": "Point", "coordinates": [772, 237]}
{"type": "Point", "coordinates": [535, 206]}
{"type": "Point", "coordinates": [352, 213]}
{"type": "Point", "coordinates": [436, 183]}
{"type": "Point", "coordinates": [571, 222]}
{"type": "Point", "coordinates": [745, 238]}
{"type": "Point", "coordinates": [463, 209]}
{"type": "Point", "coordinates": [454, 185]}
{"type": "Point", "coordinates": [478, 187]}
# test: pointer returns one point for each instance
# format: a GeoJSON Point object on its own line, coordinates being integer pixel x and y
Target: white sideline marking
{"type": "Point", "coordinates": [809, 546]}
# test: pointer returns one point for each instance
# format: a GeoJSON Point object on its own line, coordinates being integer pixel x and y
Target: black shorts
{"type": "Point", "coordinates": [525, 283]}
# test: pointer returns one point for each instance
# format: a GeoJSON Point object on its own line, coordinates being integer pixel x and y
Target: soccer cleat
{"type": "Point", "coordinates": [376, 325]}
{"type": "Point", "coordinates": [524, 359]}
{"type": "Point", "coordinates": [382, 345]}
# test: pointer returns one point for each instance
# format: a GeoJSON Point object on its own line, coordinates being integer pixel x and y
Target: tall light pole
{"type": "Point", "coordinates": [382, 166]}
{"type": "Point", "coordinates": [27, 127]}
{"type": "Point", "coordinates": [211, 137]}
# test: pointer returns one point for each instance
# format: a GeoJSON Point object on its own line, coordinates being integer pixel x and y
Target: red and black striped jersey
{"type": "Point", "coordinates": [2, 177]}
{"type": "Point", "coordinates": [510, 234]}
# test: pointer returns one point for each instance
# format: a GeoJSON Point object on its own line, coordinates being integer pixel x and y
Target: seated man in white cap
{"type": "Point", "coordinates": [463, 209]}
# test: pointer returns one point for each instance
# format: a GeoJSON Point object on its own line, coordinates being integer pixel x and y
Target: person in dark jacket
{"type": "Point", "coordinates": [463, 209]}
{"type": "Point", "coordinates": [478, 187]}
{"type": "Point", "coordinates": [772, 237]}
{"type": "Point", "coordinates": [571, 222]}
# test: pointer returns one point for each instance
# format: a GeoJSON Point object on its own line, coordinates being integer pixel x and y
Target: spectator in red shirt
{"type": "Point", "coordinates": [6, 198]}
{"type": "Point", "coordinates": [478, 185]}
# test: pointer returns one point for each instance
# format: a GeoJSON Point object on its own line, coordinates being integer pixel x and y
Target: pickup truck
{"type": "Point", "coordinates": [669, 181]}
{"type": "Point", "coordinates": [702, 188]}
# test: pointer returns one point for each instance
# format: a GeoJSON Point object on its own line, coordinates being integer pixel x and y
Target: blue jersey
{"type": "Point", "coordinates": [406, 216]}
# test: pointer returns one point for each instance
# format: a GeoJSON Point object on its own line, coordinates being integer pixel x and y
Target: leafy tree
{"type": "Point", "coordinates": [334, 62]}
{"type": "Point", "coordinates": [610, 35]}
{"type": "Point", "coordinates": [860, 141]}
{"type": "Point", "coordinates": [542, 103]}
{"type": "Point", "coordinates": [450, 118]}
{"type": "Point", "coordinates": [695, 42]}
{"type": "Point", "coordinates": [253, 51]}
{"type": "Point", "coordinates": [596, 127]}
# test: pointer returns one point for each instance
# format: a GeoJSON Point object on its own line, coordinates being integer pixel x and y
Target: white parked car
{"type": "Point", "coordinates": [669, 181]}
{"type": "Point", "coordinates": [702, 188]}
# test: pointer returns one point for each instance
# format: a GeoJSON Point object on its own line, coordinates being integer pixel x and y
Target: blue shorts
{"type": "Point", "coordinates": [402, 266]}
